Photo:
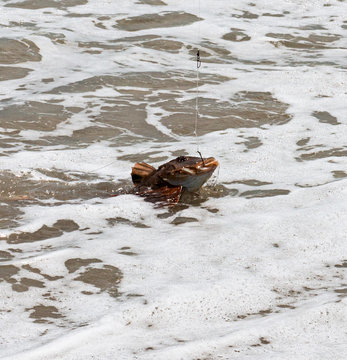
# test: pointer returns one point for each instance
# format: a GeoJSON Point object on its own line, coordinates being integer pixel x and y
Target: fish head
{"type": "Point", "coordinates": [188, 171]}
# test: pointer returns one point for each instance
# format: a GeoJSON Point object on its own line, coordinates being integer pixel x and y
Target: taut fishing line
{"type": "Point", "coordinates": [198, 64]}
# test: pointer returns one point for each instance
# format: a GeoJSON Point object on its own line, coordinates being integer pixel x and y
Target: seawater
{"type": "Point", "coordinates": [253, 267]}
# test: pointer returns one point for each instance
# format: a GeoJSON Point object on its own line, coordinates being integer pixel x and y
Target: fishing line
{"type": "Point", "coordinates": [50, 181]}
{"type": "Point", "coordinates": [198, 64]}
{"type": "Point", "coordinates": [102, 167]}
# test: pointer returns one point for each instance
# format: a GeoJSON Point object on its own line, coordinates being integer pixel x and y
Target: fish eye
{"type": "Point", "coordinates": [181, 159]}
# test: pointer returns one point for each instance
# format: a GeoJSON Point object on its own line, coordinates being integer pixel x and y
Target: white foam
{"type": "Point", "coordinates": [261, 278]}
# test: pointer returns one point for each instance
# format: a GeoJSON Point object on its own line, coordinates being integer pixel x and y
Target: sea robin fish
{"type": "Point", "coordinates": [165, 184]}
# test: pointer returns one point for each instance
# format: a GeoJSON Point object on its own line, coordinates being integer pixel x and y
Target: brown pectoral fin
{"type": "Point", "coordinates": [165, 195]}
{"type": "Point", "coordinates": [140, 171]}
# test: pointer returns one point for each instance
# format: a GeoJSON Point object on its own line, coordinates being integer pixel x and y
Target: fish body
{"type": "Point", "coordinates": [166, 183]}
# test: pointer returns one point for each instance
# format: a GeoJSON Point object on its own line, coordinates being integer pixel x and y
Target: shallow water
{"type": "Point", "coordinates": [253, 266]}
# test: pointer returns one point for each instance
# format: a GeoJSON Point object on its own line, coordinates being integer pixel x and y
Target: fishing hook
{"type": "Point", "coordinates": [198, 61]}
{"type": "Point", "coordinates": [203, 162]}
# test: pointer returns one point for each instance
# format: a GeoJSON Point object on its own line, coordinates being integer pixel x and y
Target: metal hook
{"type": "Point", "coordinates": [198, 61]}
{"type": "Point", "coordinates": [203, 162]}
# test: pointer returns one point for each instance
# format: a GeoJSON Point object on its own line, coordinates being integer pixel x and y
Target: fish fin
{"type": "Point", "coordinates": [140, 171]}
{"type": "Point", "coordinates": [163, 196]}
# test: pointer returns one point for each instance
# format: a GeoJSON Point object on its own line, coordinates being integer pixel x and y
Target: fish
{"type": "Point", "coordinates": [166, 184]}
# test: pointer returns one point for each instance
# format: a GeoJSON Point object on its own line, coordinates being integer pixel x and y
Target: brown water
{"type": "Point", "coordinates": [87, 90]}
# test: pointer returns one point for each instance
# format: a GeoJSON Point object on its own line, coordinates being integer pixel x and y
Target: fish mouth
{"type": "Point", "coordinates": [204, 166]}
{"type": "Point", "coordinates": [192, 177]}
{"type": "Point", "coordinates": [209, 164]}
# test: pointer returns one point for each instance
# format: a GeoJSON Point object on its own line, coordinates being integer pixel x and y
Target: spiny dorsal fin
{"type": "Point", "coordinates": [140, 171]}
